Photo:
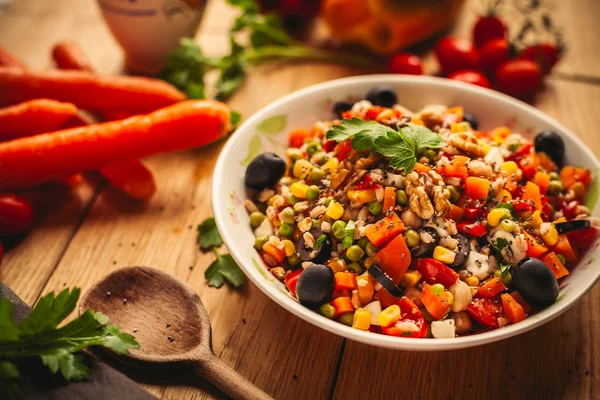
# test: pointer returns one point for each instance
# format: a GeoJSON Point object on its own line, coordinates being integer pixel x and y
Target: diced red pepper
{"type": "Point", "coordinates": [520, 153]}
{"type": "Point", "coordinates": [329, 145]}
{"type": "Point", "coordinates": [475, 229]}
{"type": "Point", "coordinates": [373, 112]}
{"type": "Point", "coordinates": [409, 312]}
{"type": "Point", "coordinates": [343, 150]}
{"type": "Point", "coordinates": [366, 183]}
{"type": "Point", "coordinates": [485, 312]}
{"type": "Point", "coordinates": [291, 280]}
{"type": "Point", "coordinates": [434, 272]}
{"type": "Point", "coordinates": [472, 213]}
{"type": "Point", "coordinates": [569, 209]}
{"type": "Point", "coordinates": [522, 205]}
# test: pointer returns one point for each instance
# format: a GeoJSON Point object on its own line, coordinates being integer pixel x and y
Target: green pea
{"type": "Point", "coordinates": [555, 188]}
{"type": "Point", "coordinates": [371, 249]}
{"type": "Point", "coordinates": [328, 201]}
{"type": "Point", "coordinates": [347, 318]}
{"type": "Point", "coordinates": [293, 199]}
{"type": "Point", "coordinates": [327, 310]}
{"type": "Point", "coordinates": [259, 241]}
{"type": "Point", "coordinates": [429, 154]}
{"type": "Point", "coordinates": [312, 193]}
{"type": "Point", "coordinates": [313, 147]}
{"type": "Point", "coordinates": [412, 238]}
{"type": "Point", "coordinates": [554, 176]}
{"type": "Point", "coordinates": [375, 207]}
{"type": "Point", "coordinates": [354, 253]}
{"type": "Point", "coordinates": [401, 197]}
{"type": "Point", "coordinates": [317, 175]}
{"type": "Point", "coordinates": [507, 225]}
{"type": "Point", "coordinates": [514, 146]}
{"type": "Point", "coordinates": [256, 218]}
{"type": "Point", "coordinates": [286, 230]}
{"type": "Point", "coordinates": [454, 193]}
{"type": "Point", "coordinates": [355, 267]}
{"type": "Point", "coordinates": [293, 260]}
{"type": "Point", "coordinates": [287, 215]}
{"type": "Point", "coordinates": [338, 229]}
{"type": "Point", "coordinates": [437, 289]}
{"type": "Point", "coordinates": [362, 242]}
{"type": "Point", "coordinates": [314, 223]}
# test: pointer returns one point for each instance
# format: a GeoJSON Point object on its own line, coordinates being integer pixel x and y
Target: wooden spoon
{"type": "Point", "coordinates": [170, 323]}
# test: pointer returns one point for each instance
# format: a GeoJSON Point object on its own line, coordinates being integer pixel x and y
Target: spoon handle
{"type": "Point", "coordinates": [229, 381]}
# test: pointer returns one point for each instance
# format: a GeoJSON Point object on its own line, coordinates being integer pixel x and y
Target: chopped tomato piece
{"type": "Point", "coordinates": [394, 259]}
{"type": "Point", "coordinates": [412, 322]}
{"type": "Point", "coordinates": [291, 280]}
{"type": "Point", "coordinates": [485, 312]}
{"type": "Point", "coordinates": [434, 272]}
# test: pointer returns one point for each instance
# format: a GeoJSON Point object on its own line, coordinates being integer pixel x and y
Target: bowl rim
{"type": "Point", "coordinates": [371, 338]}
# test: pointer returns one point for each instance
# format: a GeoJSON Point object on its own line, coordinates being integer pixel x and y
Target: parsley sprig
{"type": "Point", "coordinates": [224, 267]}
{"type": "Point", "coordinates": [58, 348]}
{"type": "Point", "coordinates": [401, 145]}
{"type": "Point", "coordinates": [266, 39]}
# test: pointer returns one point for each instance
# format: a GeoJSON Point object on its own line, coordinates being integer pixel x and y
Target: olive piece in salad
{"type": "Point", "coordinates": [340, 107]}
{"type": "Point", "coordinates": [535, 282]}
{"type": "Point", "coordinates": [313, 253]}
{"type": "Point", "coordinates": [264, 171]}
{"type": "Point", "coordinates": [471, 120]}
{"type": "Point", "coordinates": [426, 249]}
{"type": "Point", "coordinates": [383, 96]}
{"type": "Point", "coordinates": [552, 144]}
{"type": "Point", "coordinates": [464, 250]}
{"type": "Point", "coordinates": [315, 285]}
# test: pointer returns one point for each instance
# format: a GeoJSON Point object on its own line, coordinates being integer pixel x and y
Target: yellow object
{"type": "Point", "coordinates": [450, 298]}
{"type": "Point", "coordinates": [368, 262]}
{"type": "Point", "coordinates": [459, 127]}
{"type": "Point", "coordinates": [486, 147]}
{"type": "Point", "coordinates": [289, 247]}
{"type": "Point", "coordinates": [338, 265]}
{"type": "Point", "coordinates": [334, 211]}
{"type": "Point", "coordinates": [302, 169]}
{"type": "Point", "coordinates": [386, 26]}
{"type": "Point", "coordinates": [361, 196]}
{"type": "Point", "coordinates": [444, 255]}
{"type": "Point", "coordinates": [362, 320]}
{"type": "Point", "coordinates": [389, 316]}
{"type": "Point", "coordinates": [472, 281]}
{"type": "Point", "coordinates": [365, 288]}
{"type": "Point", "coordinates": [500, 134]}
{"type": "Point", "coordinates": [550, 237]}
{"type": "Point", "coordinates": [509, 167]}
{"type": "Point", "coordinates": [411, 278]}
{"type": "Point", "coordinates": [272, 199]}
{"type": "Point", "coordinates": [503, 195]}
{"type": "Point", "coordinates": [495, 216]}
{"type": "Point", "coordinates": [331, 165]}
{"type": "Point", "coordinates": [535, 221]}
{"type": "Point", "coordinates": [299, 190]}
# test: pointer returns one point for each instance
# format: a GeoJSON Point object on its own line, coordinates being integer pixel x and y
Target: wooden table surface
{"type": "Point", "coordinates": [82, 237]}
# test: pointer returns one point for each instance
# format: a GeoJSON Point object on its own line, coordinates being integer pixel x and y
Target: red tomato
{"type": "Point", "coordinates": [455, 54]}
{"type": "Point", "coordinates": [546, 55]}
{"type": "Point", "coordinates": [472, 77]}
{"type": "Point", "coordinates": [291, 280]}
{"type": "Point", "coordinates": [475, 229]}
{"type": "Point", "coordinates": [409, 312]}
{"type": "Point", "coordinates": [485, 312]}
{"type": "Point", "coordinates": [487, 28]}
{"type": "Point", "coordinates": [434, 272]}
{"type": "Point", "coordinates": [16, 214]}
{"type": "Point", "coordinates": [405, 63]}
{"type": "Point", "coordinates": [493, 54]}
{"type": "Point", "coordinates": [519, 77]}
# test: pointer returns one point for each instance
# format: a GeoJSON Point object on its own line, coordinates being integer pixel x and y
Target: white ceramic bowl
{"type": "Point", "coordinates": [267, 130]}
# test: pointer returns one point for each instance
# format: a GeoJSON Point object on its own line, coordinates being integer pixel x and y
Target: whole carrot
{"type": "Point", "coordinates": [67, 55]}
{"type": "Point", "coordinates": [87, 90]}
{"type": "Point", "coordinates": [8, 60]}
{"type": "Point", "coordinates": [37, 159]}
{"type": "Point", "coordinates": [33, 117]}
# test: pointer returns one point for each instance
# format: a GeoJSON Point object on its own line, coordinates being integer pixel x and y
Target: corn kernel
{"type": "Point", "coordinates": [450, 298]}
{"type": "Point", "coordinates": [362, 319]}
{"type": "Point", "coordinates": [389, 316]}
{"type": "Point", "coordinates": [472, 281]}
{"type": "Point", "coordinates": [486, 147]}
{"type": "Point", "coordinates": [503, 196]}
{"type": "Point", "coordinates": [338, 265]}
{"type": "Point", "coordinates": [443, 255]}
{"type": "Point", "coordinates": [535, 221]}
{"type": "Point", "coordinates": [289, 247]}
{"type": "Point", "coordinates": [549, 233]}
{"type": "Point", "coordinates": [500, 134]}
{"type": "Point", "coordinates": [459, 127]}
{"type": "Point", "coordinates": [302, 169]}
{"type": "Point", "coordinates": [411, 278]}
{"type": "Point", "coordinates": [509, 167]}
{"type": "Point", "coordinates": [335, 210]}
{"type": "Point", "coordinates": [299, 190]}
{"type": "Point", "coordinates": [496, 215]}
{"type": "Point", "coordinates": [368, 262]}
{"type": "Point", "coordinates": [272, 199]}
{"type": "Point", "coordinates": [331, 165]}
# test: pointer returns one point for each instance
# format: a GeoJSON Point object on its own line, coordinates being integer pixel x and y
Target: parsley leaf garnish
{"type": "Point", "coordinates": [58, 348]}
{"type": "Point", "coordinates": [319, 242]}
{"type": "Point", "coordinates": [505, 267]}
{"type": "Point", "coordinates": [208, 234]}
{"type": "Point", "coordinates": [348, 235]}
{"type": "Point", "coordinates": [401, 146]}
{"type": "Point", "coordinates": [499, 244]}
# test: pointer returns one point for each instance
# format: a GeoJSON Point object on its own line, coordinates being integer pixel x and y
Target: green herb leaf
{"type": "Point", "coordinates": [401, 150]}
{"type": "Point", "coordinates": [235, 117]}
{"type": "Point", "coordinates": [49, 312]}
{"type": "Point", "coordinates": [505, 267]}
{"type": "Point", "coordinates": [272, 125]}
{"type": "Point", "coordinates": [422, 137]}
{"type": "Point", "coordinates": [208, 234]}
{"type": "Point", "coordinates": [499, 244]}
{"type": "Point", "coordinates": [348, 235]}
{"type": "Point", "coordinates": [224, 267]}
{"type": "Point", "coordinates": [9, 332]}
{"type": "Point", "coordinates": [247, 6]}
{"type": "Point", "coordinates": [365, 132]}
{"type": "Point", "coordinates": [319, 242]}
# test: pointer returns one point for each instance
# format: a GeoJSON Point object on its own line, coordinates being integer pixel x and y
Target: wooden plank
{"type": "Point", "coordinates": [557, 360]}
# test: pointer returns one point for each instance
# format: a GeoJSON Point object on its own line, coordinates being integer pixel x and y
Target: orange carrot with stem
{"type": "Point", "coordinates": [33, 160]}
{"type": "Point", "coordinates": [33, 117]}
{"type": "Point", "coordinates": [8, 60]}
{"type": "Point", "coordinates": [87, 90]}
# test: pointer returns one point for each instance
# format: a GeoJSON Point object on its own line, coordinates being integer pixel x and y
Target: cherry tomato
{"type": "Point", "coordinates": [487, 28]}
{"type": "Point", "coordinates": [546, 55]}
{"type": "Point", "coordinates": [409, 312]}
{"type": "Point", "coordinates": [455, 54]}
{"type": "Point", "coordinates": [475, 229]}
{"type": "Point", "coordinates": [519, 77]}
{"type": "Point", "coordinates": [405, 63]}
{"type": "Point", "coordinates": [493, 54]}
{"type": "Point", "coordinates": [434, 272]}
{"type": "Point", "coordinates": [16, 214]}
{"type": "Point", "coordinates": [472, 77]}
{"type": "Point", "coordinates": [291, 280]}
{"type": "Point", "coordinates": [485, 312]}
